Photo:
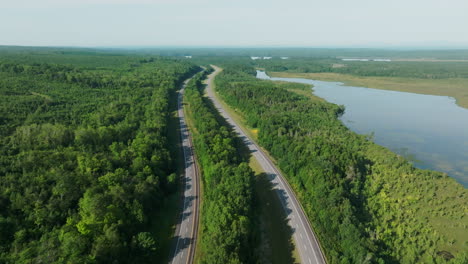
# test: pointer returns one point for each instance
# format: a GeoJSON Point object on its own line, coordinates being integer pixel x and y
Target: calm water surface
{"type": "Point", "coordinates": [432, 129]}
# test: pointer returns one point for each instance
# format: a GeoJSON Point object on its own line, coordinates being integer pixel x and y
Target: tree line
{"type": "Point", "coordinates": [419, 69]}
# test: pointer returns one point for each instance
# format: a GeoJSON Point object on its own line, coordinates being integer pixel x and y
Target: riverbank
{"type": "Point", "coordinates": [454, 87]}
{"type": "Point", "coordinates": [408, 123]}
{"type": "Point", "coordinates": [363, 199]}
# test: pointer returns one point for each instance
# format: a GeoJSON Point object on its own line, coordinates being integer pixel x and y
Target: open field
{"type": "Point", "coordinates": [456, 87]}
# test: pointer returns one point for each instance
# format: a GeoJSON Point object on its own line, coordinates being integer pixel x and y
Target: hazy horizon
{"type": "Point", "coordinates": [210, 23]}
{"type": "Point", "coordinates": [363, 46]}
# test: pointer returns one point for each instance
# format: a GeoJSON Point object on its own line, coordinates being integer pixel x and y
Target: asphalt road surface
{"type": "Point", "coordinates": [186, 230]}
{"type": "Point", "coordinates": [306, 243]}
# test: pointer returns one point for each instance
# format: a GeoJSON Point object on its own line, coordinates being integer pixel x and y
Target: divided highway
{"type": "Point", "coordinates": [306, 243]}
{"type": "Point", "coordinates": [186, 230]}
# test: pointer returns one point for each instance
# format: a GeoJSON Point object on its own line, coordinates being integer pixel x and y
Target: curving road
{"type": "Point", "coordinates": [187, 227]}
{"type": "Point", "coordinates": [306, 243]}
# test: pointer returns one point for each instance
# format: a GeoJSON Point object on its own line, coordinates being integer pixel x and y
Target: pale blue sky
{"type": "Point", "coordinates": [234, 22]}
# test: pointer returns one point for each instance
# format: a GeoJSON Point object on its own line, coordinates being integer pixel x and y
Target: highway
{"type": "Point", "coordinates": [305, 240]}
{"type": "Point", "coordinates": [187, 227]}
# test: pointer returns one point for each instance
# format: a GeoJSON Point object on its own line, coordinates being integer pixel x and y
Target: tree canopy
{"type": "Point", "coordinates": [85, 160]}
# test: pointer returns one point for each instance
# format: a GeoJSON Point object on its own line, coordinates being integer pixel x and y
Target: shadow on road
{"type": "Point", "coordinates": [185, 215]}
{"type": "Point", "coordinates": [181, 244]}
{"type": "Point", "coordinates": [284, 199]}
{"type": "Point", "coordinates": [188, 201]}
{"type": "Point", "coordinates": [276, 238]}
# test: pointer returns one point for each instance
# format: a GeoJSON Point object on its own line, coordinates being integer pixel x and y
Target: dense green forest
{"type": "Point", "coordinates": [367, 204]}
{"type": "Point", "coordinates": [86, 164]}
{"type": "Point", "coordinates": [227, 224]}
{"type": "Point", "coordinates": [88, 167]}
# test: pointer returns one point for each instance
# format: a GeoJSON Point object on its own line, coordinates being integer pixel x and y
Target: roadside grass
{"type": "Point", "coordinates": [453, 87]}
{"type": "Point", "coordinates": [276, 243]}
{"type": "Point", "coordinates": [164, 221]}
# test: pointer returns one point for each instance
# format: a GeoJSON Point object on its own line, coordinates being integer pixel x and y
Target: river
{"type": "Point", "coordinates": [430, 130]}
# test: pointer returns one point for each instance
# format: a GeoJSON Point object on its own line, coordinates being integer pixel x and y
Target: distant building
{"type": "Point", "coordinates": [284, 58]}
{"type": "Point", "coordinates": [267, 58]}
{"type": "Point", "coordinates": [256, 58]}
{"type": "Point", "coordinates": [188, 56]}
